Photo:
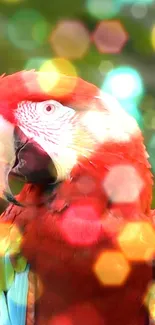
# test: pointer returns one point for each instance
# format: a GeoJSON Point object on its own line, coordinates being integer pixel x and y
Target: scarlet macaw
{"type": "Point", "coordinates": [88, 176]}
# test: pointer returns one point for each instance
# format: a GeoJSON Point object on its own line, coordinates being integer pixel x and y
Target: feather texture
{"type": "Point", "coordinates": [17, 298]}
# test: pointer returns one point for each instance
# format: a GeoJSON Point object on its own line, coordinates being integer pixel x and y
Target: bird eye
{"type": "Point", "coordinates": [48, 109]}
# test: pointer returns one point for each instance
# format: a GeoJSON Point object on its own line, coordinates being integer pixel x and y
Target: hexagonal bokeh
{"type": "Point", "coordinates": [103, 9]}
{"type": "Point", "coordinates": [137, 241]}
{"type": "Point", "coordinates": [70, 39]}
{"type": "Point", "coordinates": [80, 224]}
{"type": "Point", "coordinates": [111, 268]}
{"type": "Point", "coordinates": [110, 36]}
{"type": "Point", "coordinates": [130, 184]}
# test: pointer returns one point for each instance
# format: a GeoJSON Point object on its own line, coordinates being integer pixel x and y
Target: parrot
{"type": "Point", "coordinates": [77, 243]}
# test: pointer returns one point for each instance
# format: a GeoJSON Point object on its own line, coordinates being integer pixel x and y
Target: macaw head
{"type": "Point", "coordinates": [48, 122]}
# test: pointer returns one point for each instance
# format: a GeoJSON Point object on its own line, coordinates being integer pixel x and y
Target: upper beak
{"type": "Point", "coordinates": [23, 158]}
{"type": "Point", "coordinates": [7, 159]}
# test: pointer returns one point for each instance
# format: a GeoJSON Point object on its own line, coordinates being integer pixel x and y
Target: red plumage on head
{"type": "Point", "coordinates": [31, 85]}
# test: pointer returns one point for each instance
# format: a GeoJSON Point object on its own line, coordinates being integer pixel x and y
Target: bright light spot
{"type": "Point", "coordinates": [10, 239]}
{"type": "Point", "coordinates": [137, 241]}
{"type": "Point", "coordinates": [81, 224]}
{"type": "Point", "coordinates": [103, 9]}
{"type": "Point", "coordinates": [55, 82]}
{"type": "Point", "coordinates": [110, 36]}
{"type": "Point", "coordinates": [111, 268]}
{"type": "Point", "coordinates": [139, 12]}
{"type": "Point", "coordinates": [149, 300]}
{"type": "Point", "coordinates": [124, 83]}
{"type": "Point", "coordinates": [48, 66]}
{"type": "Point", "coordinates": [70, 39]}
{"type": "Point", "coordinates": [64, 66]}
{"type": "Point", "coordinates": [130, 184]}
{"type": "Point", "coordinates": [27, 29]}
{"type": "Point", "coordinates": [125, 91]}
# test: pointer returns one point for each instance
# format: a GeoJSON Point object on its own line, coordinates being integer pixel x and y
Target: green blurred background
{"type": "Point", "coordinates": [108, 42]}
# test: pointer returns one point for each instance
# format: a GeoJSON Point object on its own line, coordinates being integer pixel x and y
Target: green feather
{"type": "Point", "coordinates": [6, 273]}
{"type": "Point", "coordinates": [20, 264]}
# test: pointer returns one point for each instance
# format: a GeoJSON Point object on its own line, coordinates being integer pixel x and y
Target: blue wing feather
{"type": "Point", "coordinates": [4, 314]}
{"type": "Point", "coordinates": [17, 298]}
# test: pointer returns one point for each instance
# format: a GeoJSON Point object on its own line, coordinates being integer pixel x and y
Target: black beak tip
{"type": "Point", "coordinates": [12, 199]}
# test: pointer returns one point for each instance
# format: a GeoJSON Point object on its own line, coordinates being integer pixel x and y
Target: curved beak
{"type": "Point", "coordinates": [7, 158]}
{"type": "Point", "coordinates": [32, 164]}
{"type": "Point", "coordinates": [23, 158]}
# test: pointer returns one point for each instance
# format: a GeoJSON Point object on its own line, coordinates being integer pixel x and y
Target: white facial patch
{"type": "Point", "coordinates": [113, 124]}
{"type": "Point", "coordinates": [52, 126]}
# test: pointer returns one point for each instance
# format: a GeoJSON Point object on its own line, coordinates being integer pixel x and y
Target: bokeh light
{"type": "Point", "coordinates": [79, 314]}
{"type": "Point", "coordinates": [81, 224]}
{"type": "Point", "coordinates": [70, 39]}
{"type": "Point", "coordinates": [111, 268]}
{"type": "Point", "coordinates": [10, 239]}
{"type": "Point", "coordinates": [56, 67]}
{"type": "Point", "coordinates": [149, 301]}
{"type": "Point", "coordinates": [86, 184]}
{"type": "Point", "coordinates": [61, 65]}
{"type": "Point", "coordinates": [137, 241]}
{"type": "Point", "coordinates": [137, 2]}
{"type": "Point", "coordinates": [105, 66]}
{"type": "Point", "coordinates": [139, 11]}
{"type": "Point", "coordinates": [36, 63]}
{"type": "Point", "coordinates": [130, 180]}
{"type": "Point", "coordinates": [103, 9]}
{"type": "Point", "coordinates": [124, 83]}
{"type": "Point", "coordinates": [153, 37]}
{"type": "Point", "coordinates": [132, 109]}
{"type": "Point", "coordinates": [110, 36]}
{"type": "Point", "coordinates": [27, 29]}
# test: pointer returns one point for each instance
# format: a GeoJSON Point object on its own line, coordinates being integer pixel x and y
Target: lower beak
{"type": "Point", "coordinates": [32, 164]}
{"type": "Point", "coordinates": [26, 160]}
{"type": "Point", "coordinates": [5, 192]}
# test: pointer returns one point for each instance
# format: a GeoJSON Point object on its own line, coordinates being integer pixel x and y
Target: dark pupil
{"type": "Point", "coordinates": [48, 108]}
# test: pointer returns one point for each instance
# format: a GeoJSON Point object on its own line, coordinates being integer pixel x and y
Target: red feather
{"type": "Point", "coordinates": [28, 85]}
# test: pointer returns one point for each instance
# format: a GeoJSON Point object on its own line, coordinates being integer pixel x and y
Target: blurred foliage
{"type": "Point", "coordinates": [34, 31]}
